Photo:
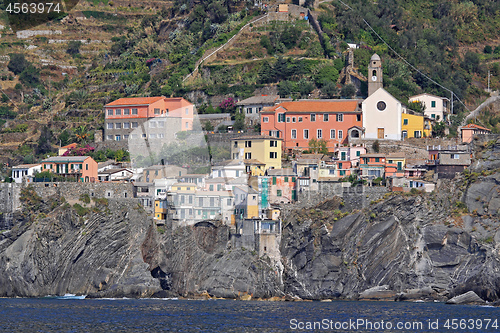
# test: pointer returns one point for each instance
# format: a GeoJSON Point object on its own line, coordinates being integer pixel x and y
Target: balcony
{"type": "Point", "coordinates": [431, 162]}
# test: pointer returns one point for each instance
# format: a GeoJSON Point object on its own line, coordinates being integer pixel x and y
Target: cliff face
{"type": "Point", "coordinates": [419, 246]}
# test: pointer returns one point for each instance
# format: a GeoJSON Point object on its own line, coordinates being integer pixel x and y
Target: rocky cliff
{"type": "Point", "coordinates": [404, 246]}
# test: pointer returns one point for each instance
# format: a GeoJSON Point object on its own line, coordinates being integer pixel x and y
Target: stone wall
{"type": "Point", "coordinates": [359, 197]}
{"type": "Point", "coordinates": [326, 190]}
{"type": "Point", "coordinates": [73, 191]}
{"type": "Point", "coordinates": [9, 197]}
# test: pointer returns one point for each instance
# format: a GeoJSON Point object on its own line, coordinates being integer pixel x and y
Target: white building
{"type": "Point", "coordinates": [435, 107]}
{"type": "Point", "coordinates": [25, 170]}
{"type": "Point", "coordinates": [382, 116]}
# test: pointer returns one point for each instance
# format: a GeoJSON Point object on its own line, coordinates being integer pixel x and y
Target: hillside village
{"type": "Point", "coordinates": [307, 151]}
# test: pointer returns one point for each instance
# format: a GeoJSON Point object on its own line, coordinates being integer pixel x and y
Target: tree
{"type": "Point", "coordinates": [207, 126]}
{"type": "Point", "coordinates": [488, 49]}
{"type": "Point", "coordinates": [326, 74]}
{"type": "Point", "coordinates": [348, 91]}
{"type": "Point", "coordinates": [330, 89]}
{"type": "Point", "coordinates": [64, 138]}
{"type": "Point", "coordinates": [317, 146]}
{"type": "Point", "coordinates": [154, 88]}
{"type": "Point", "coordinates": [438, 130]}
{"type": "Point", "coordinates": [17, 63]}
{"type": "Point", "coordinates": [73, 48]}
{"type": "Point", "coordinates": [376, 146]}
{"type": "Point", "coordinates": [30, 76]}
{"type": "Point", "coordinates": [286, 88]}
{"type": "Point", "coordinates": [239, 121]}
{"type": "Point", "coordinates": [44, 142]}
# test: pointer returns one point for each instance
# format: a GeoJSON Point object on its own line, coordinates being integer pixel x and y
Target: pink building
{"type": "Point", "coordinates": [470, 130]}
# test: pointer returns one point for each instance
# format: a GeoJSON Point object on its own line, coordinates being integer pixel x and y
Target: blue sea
{"type": "Point", "coordinates": [156, 315]}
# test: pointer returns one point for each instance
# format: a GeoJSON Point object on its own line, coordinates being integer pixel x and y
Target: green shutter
{"type": "Point", "coordinates": [274, 180]}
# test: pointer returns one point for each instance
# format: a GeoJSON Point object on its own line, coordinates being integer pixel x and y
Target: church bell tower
{"type": "Point", "coordinates": [374, 74]}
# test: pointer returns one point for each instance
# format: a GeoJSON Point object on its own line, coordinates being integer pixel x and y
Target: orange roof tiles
{"type": "Point", "coordinates": [474, 126]}
{"type": "Point", "coordinates": [317, 106]}
{"type": "Point", "coordinates": [135, 101]}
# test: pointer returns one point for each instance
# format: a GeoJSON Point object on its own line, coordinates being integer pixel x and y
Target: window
{"type": "Point", "coordinates": [248, 144]}
{"type": "Point", "coordinates": [358, 117]}
{"type": "Point", "coordinates": [187, 111]}
{"type": "Point", "coordinates": [211, 188]}
{"type": "Point", "coordinates": [273, 143]}
{"type": "Point", "coordinates": [313, 117]}
{"type": "Point", "coordinates": [143, 135]}
{"type": "Point", "coordinates": [134, 111]}
{"type": "Point", "coordinates": [126, 112]}
{"type": "Point", "coordinates": [300, 119]}
{"type": "Point", "coordinates": [110, 126]}
{"type": "Point", "coordinates": [118, 137]}
{"type": "Point", "coordinates": [281, 117]}
{"type": "Point", "coordinates": [340, 117]}
{"type": "Point", "coordinates": [294, 119]}
{"type": "Point", "coordinates": [405, 121]}
{"type": "Point", "coordinates": [125, 137]}
{"type": "Point", "coordinates": [109, 137]}
{"type": "Point", "coordinates": [340, 165]}
{"type": "Point", "coordinates": [265, 119]}
{"type": "Point", "coordinates": [279, 193]}
{"type": "Point", "coordinates": [332, 134]}
{"type": "Point", "coordinates": [156, 111]}
{"type": "Point", "coordinates": [249, 110]}
{"type": "Point", "coordinates": [152, 124]}
{"type": "Point", "coordinates": [306, 134]}
{"type": "Point", "coordinates": [187, 125]}
{"type": "Point", "coordinates": [343, 156]}
{"type": "Point", "coordinates": [126, 125]}
{"type": "Point", "coordinates": [248, 156]}
{"type": "Point", "coordinates": [273, 154]}
{"type": "Point", "coordinates": [417, 134]}
{"type": "Point", "coordinates": [160, 136]}
{"type": "Point", "coordinates": [326, 117]}
{"type": "Point", "coordinates": [152, 136]}
{"type": "Point", "coordinates": [455, 156]}
{"type": "Point", "coordinates": [287, 119]}
{"type": "Point", "coordinates": [161, 124]}
{"type": "Point", "coordinates": [358, 153]}
{"type": "Point", "coordinates": [433, 104]}
{"type": "Point", "coordinates": [319, 134]}
{"type": "Point", "coordinates": [294, 134]}
{"type": "Point", "coordinates": [118, 125]}
{"type": "Point", "coordinates": [86, 166]}
{"type": "Point", "coordinates": [377, 159]}
{"type": "Point", "coordinates": [110, 112]}
{"type": "Point", "coordinates": [433, 116]}
{"type": "Point", "coordinates": [118, 112]}
{"type": "Point", "coordinates": [342, 173]}
{"type": "Point", "coordinates": [341, 134]}
{"type": "Point", "coordinates": [135, 124]}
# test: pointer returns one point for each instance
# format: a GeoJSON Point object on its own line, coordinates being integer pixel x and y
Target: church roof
{"type": "Point", "coordinates": [375, 57]}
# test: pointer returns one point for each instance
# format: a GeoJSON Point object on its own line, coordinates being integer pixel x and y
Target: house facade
{"type": "Point", "coordinates": [382, 116]}
{"type": "Point", "coordinates": [252, 106]}
{"type": "Point", "coordinates": [435, 107]}
{"type": "Point", "coordinates": [372, 165]}
{"type": "Point", "coordinates": [468, 132]}
{"type": "Point", "coordinates": [298, 122]}
{"type": "Point", "coordinates": [415, 126]}
{"type": "Point", "coordinates": [263, 148]}
{"type": "Point", "coordinates": [19, 172]}
{"type": "Point", "coordinates": [125, 115]}
{"type": "Point", "coordinates": [80, 168]}
{"type": "Point", "coordinates": [447, 161]}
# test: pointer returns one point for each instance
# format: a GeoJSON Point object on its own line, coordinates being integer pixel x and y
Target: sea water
{"type": "Point", "coordinates": [170, 315]}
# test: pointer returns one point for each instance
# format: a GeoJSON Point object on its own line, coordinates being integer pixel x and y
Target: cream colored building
{"type": "Point", "coordinates": [262, 148]}
{"type": "Point", "coordinates": [436, 107]}
{"type": "Point", "coordinates": [382, 116]}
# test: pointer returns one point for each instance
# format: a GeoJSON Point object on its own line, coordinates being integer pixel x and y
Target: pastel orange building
{"type": "Point", "coordinates": [126, 114]}
{"type": "Point", "coordinates": [80, 168]}
{"type": "Point", "coordinates": [470, 130]}
{"type": "Point", "coordinates": [298, 122]}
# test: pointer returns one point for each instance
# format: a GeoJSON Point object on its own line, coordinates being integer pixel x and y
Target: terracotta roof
{"type": "Point", "coordinates": [70, 146]}
{"type": "Point", "coordinates": [135, 101]}
{"type": "Point", "coordinates": [340, 105]}
{"type": "Point", "coordinates": [66, 159]}
{"type": "Point", "coordinates": [474, 126]}
{"type": "Point", "coordinates": [280, 172]}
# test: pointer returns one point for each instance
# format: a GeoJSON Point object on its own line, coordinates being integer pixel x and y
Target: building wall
{"type": "Point", "coordinates": [438, 110]}
{"type": "Point", "coordinates": [389, 119]}
{"type": "Point", "coordinates": [260, 150]}
{"type": "Point", "coordinates": [414, 123]}
{"type": "Point", "coordinates": [285, 128]}
{"type": "Point", "coordinates": [73, 191]}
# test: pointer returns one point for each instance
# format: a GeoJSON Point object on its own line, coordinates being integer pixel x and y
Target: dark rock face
{"type": "Point", "coordinates": [469, 297]}
{"type": "Point", "coordinates": [98, 254]}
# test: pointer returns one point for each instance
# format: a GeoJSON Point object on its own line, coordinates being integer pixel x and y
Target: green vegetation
{"type": "Point", "coordinates": [82, 211]}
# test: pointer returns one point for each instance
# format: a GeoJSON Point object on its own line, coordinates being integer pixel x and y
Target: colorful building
{"type": "Point", "coordinates": [128, 114]}
{"type": "Point", "coordinates": [246, 202]}
{"type": "Point", "coordinates": [282, 186]}
{"type": "Point", "coordinates": [298, 122]}
{"type": "Point", "coordinates": [372, 165]}
{"type": "Point", "coordinates": [257, 150]}
{"type": "Point", "coordinates": [470, 130]}
{"type": "Point", "coordinates": [395, 165]}
{"type": "Point", "coordinates": [415, 126]}
{"type": "Point", "coordinates": [79, 168]}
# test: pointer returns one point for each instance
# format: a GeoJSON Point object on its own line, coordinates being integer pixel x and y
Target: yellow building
{"type": "Point", "coordinates": [258, 150]}
{"type": "Point", "coordinates": [183, 187]}
{"type": "Point", "coordinates": [415, 126]}
{"type": "Point", "coordinates": [161, 209]}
